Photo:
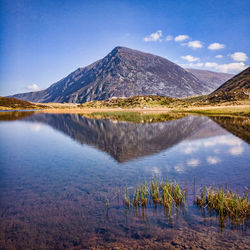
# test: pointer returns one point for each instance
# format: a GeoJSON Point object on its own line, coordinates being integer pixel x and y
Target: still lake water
{"type": "Point", "coordinates": [57, 170]}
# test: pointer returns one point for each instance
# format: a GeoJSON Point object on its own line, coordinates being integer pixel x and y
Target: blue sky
{"type": "Point", "coordinates": [43, 41]}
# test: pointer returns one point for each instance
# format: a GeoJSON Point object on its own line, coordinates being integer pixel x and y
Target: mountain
{"type": "Point", "coordinates": [122, 73]}
{"type": "Point", "coordinates": [237, 88]}
{"type": "Point", "coordinates": [211, 79]}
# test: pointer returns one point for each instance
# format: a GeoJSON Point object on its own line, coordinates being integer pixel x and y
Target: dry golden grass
{"type": "Point", "coordinates": [148, 105]}
{"type": "Point", "coordinates": [240, 110]}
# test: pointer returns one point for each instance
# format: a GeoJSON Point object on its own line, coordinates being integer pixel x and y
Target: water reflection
{"type": "Point", "coordinates": [124, 140]}
{"type": "Point", "coordinates": [239, 126]}
{"type": "Point", "coordinates": [14, 115]}
{"type": "Point", "coordinates": [54, 191]}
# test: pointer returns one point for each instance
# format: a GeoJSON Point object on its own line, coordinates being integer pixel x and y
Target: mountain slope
{"type": "Point", "coordinates": [122, 73]}
{"type": "Point", "coordinates": [13, 103]}
{"type": "Point", "coordinates": [211, 79]}
{"type": "Point", "coordinates": [237, 88]}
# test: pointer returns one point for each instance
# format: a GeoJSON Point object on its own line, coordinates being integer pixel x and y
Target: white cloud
{"type": "Point", "coordinates": [195, 44]}
{"type": "Point", "coordinates": [219, 56]}
{"type": "Point", "coordinates": [181, 38]}
{"type": "Point", "coordinates": [189, 149]}
{"type": "Point", "coordinates": [33, 87]}
{"type": "Point", "coordinates": [213, 160]}
{"type": "Point", "coordinates": [190, 58]}
{"type": "Point", "coordinates": [232, 67]}
{"type": "Point", "coordinates": [239, 56]}
{"type": "Point", "coordinates": [155, 170]}
{"type": "Point", "coordinates": [211, 64]}
{"type": "Point", "coordinates": [179, 168]}
{"type": "Point", "coordinates": [169, 38]}
{"type": "Point", "coordinates": [193, 162]}
{"type": "Point", "coordinates": [192, 65]}
{"type": "Point", "coordinates": [227, 68]}
{"type": "Point", "coordinates": [237, 150]}
{"type": "Point", "coordinates": [223, 140]}
{"type": "Point", "coordinates": [36, 127]}
{"type": "Point", "coordinates": [197, 64]}
{"type": "Point", "coordinates": [154, 37]}
{"type": "Point", "coordinates": [216, 46]}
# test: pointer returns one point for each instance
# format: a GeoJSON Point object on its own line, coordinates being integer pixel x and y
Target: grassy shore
{"type": "Point", "coordinates": [146, 105]}
{"type": "Point", "coordinates": [239, 110]}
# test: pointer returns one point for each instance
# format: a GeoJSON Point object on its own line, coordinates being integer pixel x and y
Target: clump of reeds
{"type": "Point", "coordinates": [107, 207]}
{"type": "Point", "coordinates": [140, 197]}
{"type": "Point", "coordinates": [224, 202]}
{"type": "Point", "coordinates": [126, 198]}
{"type": "Point", "coordinates": [164, 193]}
{"type": "Point", "coordinates": [171, 193]}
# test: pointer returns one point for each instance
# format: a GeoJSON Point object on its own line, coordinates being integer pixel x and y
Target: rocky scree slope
{"type": "Point", "coordinates": [122, 73]}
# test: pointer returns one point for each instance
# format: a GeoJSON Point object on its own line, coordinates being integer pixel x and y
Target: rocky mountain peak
{"type": "Point", "coordinates": [124, 72]}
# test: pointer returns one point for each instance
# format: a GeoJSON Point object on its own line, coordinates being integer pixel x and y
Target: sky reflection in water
{"type": "Point", "coordinates": [58, 170]}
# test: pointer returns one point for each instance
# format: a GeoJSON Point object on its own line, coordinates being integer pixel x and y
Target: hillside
{"type": "Point", "coordinates": [211, 79]}
{"type": "Point", "coordinates": [135, 102]}
{"type": "Point", "coordinates": [122, 73]}
{"type": "Point", "coordinates": [237, 88]}
{"type": "Point", "coordinates": [13, 103]}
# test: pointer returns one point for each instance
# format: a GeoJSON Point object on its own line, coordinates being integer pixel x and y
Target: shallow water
{"type": "Point", "coordinates": [57, 170]}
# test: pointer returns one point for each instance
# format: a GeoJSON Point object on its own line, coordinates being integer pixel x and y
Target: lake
{"type": "Point", "coordinates": [58, 170]}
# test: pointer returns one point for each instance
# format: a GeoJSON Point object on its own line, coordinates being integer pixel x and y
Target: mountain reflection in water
{"type": "Point", "coordinates": [54, 191]}
{"type": "Point", "coordinates": [125, 141]}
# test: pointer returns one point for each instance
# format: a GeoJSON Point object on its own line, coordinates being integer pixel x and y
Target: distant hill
{"type": "Point", "coordinates": [13, 103]}
{"type": "Point", "coordinates": [123, 72]}
{"type": "Point", "coordinates": [237, 88]}
{"type": "Point", "coordinates": [211, 79]}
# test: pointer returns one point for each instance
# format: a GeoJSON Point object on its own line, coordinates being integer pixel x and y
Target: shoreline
{"type": "Point", "coordinates": [242, 110]}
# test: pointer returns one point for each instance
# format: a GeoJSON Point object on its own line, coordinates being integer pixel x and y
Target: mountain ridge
{"type": "Point", "coordinates": [236, 88]}
{"type": "Point", "coordinates": [212, 79]}
{"type": "Point", "coordinates": [122, 73]}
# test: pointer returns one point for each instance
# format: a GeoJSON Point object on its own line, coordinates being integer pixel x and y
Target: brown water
{"type": "Point", "coordinates": [57, 170]}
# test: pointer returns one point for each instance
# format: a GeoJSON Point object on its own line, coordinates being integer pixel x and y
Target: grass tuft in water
{"type": "Point", "coordinates": [140, 197]}
{"type": "Point", "coordinates": [126, 198]}
{"type": "Point", "coordinates": [224, 202]}
{"type": "Point", "coordinates": [107, 207]}
{"type": "Point", "coordinates": [164, 193]}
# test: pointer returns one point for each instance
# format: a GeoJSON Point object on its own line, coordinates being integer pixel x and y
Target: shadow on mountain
{"type": "Point", "coordinates": [125, 141]}
{"type": "Point", "coordinates": [239, 126]}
